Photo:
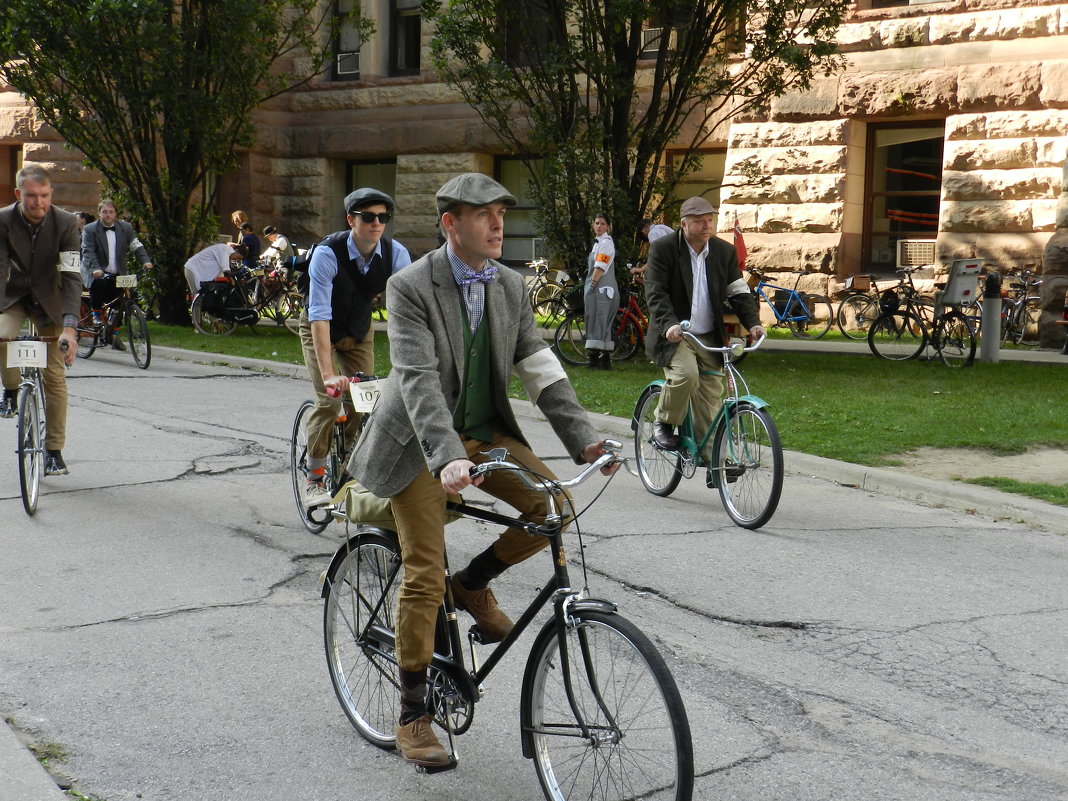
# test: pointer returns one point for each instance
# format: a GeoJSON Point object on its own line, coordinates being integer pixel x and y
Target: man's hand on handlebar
{"type": "Point", "coordinates": [336, 385]}
{"type": "Point", "coordinates": [756, 332]}
{"type": "Point", "coordinates": [457, 474]}
{"type": "Point", "coordinates": [674, 334]}
{"type": "Point", "coordinates": [68, 342]}
{"type": "Point", "coordinates": [595, 450]}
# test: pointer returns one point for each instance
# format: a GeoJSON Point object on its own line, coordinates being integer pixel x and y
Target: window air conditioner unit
{"type": "Point", "coordinates": [348, 64]}
{"type": "Point", "coordinates": [915, 252]}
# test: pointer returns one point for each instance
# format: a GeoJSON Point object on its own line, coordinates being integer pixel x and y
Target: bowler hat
{"type": "Point", "coordinates": [696, 206]}
{"type": "Point", "coordinates": [472, 189]}
{"type": "Point", "coordinates": [362, 198]}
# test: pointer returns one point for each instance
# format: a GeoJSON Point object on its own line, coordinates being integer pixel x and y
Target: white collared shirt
{"type": "Point", "coordinates": [113, 255]}
{"type": "Point", "coordinates": [701, 317]}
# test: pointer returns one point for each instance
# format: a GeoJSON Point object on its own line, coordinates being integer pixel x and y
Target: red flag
{"type": "Point", "coordinates": [739, 244]}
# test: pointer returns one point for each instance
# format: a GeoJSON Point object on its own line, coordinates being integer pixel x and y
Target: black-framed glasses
{"type": "Point", "coordinates": [369, 216]}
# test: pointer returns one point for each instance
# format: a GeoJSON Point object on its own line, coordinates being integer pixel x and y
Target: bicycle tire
{"type": "Point", "coordinates": [748, 438]}
{"type": "Point", "coordinates": [898, 336]}
{"type": "Point", "coordinates": [1027, 321]}
{"type": "Point", "coordinates": [294, 301]}
{"type": "Point", "coordinates": [570, 339]}
{"type": "Point", "coordinates": [640, 745]}
{"type": "Point", "coordinates": [627, 340]}
{"type": "Point", "coordinates": [315, 520]}
{"type": "Point", "coordinates": [87, 332]}
{"type": "Point", "coordinates": [818, 316]}
{"type": "Point", "coordinates": [660, 471]}
{"type": "Point", "coordinates": [855, 316]}
{"type": "Point", "coordinates": [363, 671]}
{"type": "Point", "coordinates": [542, 294]}
{"type": "Point", "coordinates": [137, 335]}
{"type": "Point", "coordinates": [954, 340]}
{"type": "Point", "coordinates": [30, 447]}
{"type": "Point", "coordinates": [208, 324]}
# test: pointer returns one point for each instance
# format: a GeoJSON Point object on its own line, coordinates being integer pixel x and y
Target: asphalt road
{"type": "Point", "coordinates": [161, 622]}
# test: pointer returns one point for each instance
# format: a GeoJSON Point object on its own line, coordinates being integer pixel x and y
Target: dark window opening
{"type": "Point", "coordinates": [405, 38]}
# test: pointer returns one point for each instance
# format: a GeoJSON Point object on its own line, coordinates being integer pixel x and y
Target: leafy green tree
{"type": "Point", "coordinates": [159, 95]}
{"type": "Point", "coordinates": [591, 93]}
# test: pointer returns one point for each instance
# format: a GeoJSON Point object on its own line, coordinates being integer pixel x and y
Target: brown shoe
{"type": "Point", "coordinates": [418, 744]}
{"type": "Point", "coordinates": [482, 606]}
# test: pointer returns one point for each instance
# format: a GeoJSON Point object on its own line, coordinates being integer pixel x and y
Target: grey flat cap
{"type": "Point", "coordinates": [696, 206]}
{"type": "Point", "coordinates": [472, 189]}
{"type": "Point", "coordinates": [364, 197]}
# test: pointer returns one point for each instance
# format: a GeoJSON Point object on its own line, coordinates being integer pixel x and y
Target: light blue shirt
{"type": "Point", "coordinates": [323, 270]}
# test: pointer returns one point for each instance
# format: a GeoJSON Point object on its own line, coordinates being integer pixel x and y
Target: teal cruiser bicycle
{"type": "Point", "coordinates": [747, 462]}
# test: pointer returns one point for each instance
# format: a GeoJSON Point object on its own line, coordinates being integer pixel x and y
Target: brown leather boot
{"type": "Point", "coordinates": [419, 745]}
{"type": "Point", "coordinates": [482, 606]}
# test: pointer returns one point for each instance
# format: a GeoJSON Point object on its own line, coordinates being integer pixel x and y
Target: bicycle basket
{"type": "Point", "coordinates": [859, 283]}
{"type": "Point", "coordinates": [889, 301]}
{"type": "Point", "coordinates": [574, 300]}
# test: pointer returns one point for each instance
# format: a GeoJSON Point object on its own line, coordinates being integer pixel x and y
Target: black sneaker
{"type": "Point", "coordinates": [9, 404]}
{"type": "Point", "coordinates": [54, 464]}
{"type": "Point", "coordinates": [665, 437]}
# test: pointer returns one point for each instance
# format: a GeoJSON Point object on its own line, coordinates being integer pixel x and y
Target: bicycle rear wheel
{"type": "Point", "coordinates": [811, 318]}
{"type": "Point", "coordinates": [898, 336]}
{"type": "Point", "coordinates": [207, 323]}
{"type": "Point", "coordinates": [747, 453]}
{"type": "Point", "coordinates": [659, 470]}
{"type": "Point", "coordinates": [315, 520]}
{"type": "Point", "coordinates": [137, 334]}
{"type": "Point", "coordinates": [954, 340]}
{"type": "Point", "coordinates": [1026, 332]}
{"type": "Point", "coordinates": [627, 340]}
{"type": "Point", "coordinates": [638, 742]}
{"type": "Point", "coordinates": [855, 316]}
{"type": "Point", "coordinates": [570, 339]}
{"type": "Point", "coordinates": [87, 332]}
{"type": "Point", "coordinates": [360, 593]}
{"type": "Point", "coordinates": [30, 446]}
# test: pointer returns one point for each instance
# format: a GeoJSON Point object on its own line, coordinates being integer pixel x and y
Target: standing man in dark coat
{"type": "Point", "coordinates": [691, 275]}
{"type": "Point", "coordinates": [39, 280]}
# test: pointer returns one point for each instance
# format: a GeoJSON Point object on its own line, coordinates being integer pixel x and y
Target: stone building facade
{"type": "Point", "coordinates": [945, 132]}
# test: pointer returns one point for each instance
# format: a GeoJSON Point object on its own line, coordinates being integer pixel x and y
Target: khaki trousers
{"type": "Point", "coordinates": [350, 356]}
{"type": "Point", "coordinates": [55, 376]}
{"type": "Point", "coordinates": [693, 377]}
{"type": "Point", "coordinates": [419, 510]}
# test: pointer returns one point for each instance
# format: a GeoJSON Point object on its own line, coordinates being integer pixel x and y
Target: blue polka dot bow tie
{"type": "Point", "coordinates": [486, 276]}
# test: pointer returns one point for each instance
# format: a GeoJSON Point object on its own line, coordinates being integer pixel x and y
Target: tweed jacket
{"type": "Point", "coordinates": [669, 291]}
{"type": "Point", "coordinates": [95, 248]}
{"type": "Point", "coordinates": [411, 427]}
{"type": "Point", "coordinates": [46, 268]}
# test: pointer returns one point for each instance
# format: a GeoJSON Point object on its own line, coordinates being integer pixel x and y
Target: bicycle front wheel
{"type": "Point", "coordinates": [855, 316]}
{"type": "Point", "coordinates": [898, 336]}
{"type": "Point", "coordinates": [137, 334]}
{"type": "Point", "coordinates": [810, 317]}
{"type": "Point", "coordinates": [631, 739]}
{"type": "Point", "coordinates": [954, 340]}
{"type": "Point", "coordinates": [30, 447]}
{"type": "Point", "coordinates": [570, 339]}
{"type": "Point", "coordinates": [360, 597]}
{"type": "Point", "coordinates": [207, 323]}
{"type": "Point", "coordinates": [315, 520]}
{"type": "Point", "coordinates": [659, 470]}
{"type": "Point", "coordinates": [747, 455]}
{"type": "Point", "coordinates": [628, 338]}
{"type": "Point", "coordinates": [1026, 332]}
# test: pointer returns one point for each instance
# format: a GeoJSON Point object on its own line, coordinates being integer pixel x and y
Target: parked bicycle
{"type": "Point", "coordinates": [909, 323]}
{"type": "Point", "coordinates": [546, 294]}
{"type": "Point", "coordinates": [628, 331]}
{"type": "Point", "coordinates": [124, 313]}
{"type": "Point", "coordinates": [242, 297]}
{"type": "Point", "coordinates": [859, 310]}
{"type": "Point", "coordinates": [361, 399]}
{"type": "Point", "coordinates": [29, 353]}
{"type": "Point", "coordinates": [1021, 309]}
{"type": "Point", "coordinates": [807, 315]}
{"type": "Point", "coordinates": [600, 714]}
{"type": "Point", "coordinates": [747, 460]}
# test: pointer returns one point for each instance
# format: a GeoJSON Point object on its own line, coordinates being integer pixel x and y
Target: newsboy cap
{"type": "Point", "coordinates": [472, 189]}
{"type": "Point", "coordinates": [364, 197]}
{"type": "Point", "coordinates": [696, 206]}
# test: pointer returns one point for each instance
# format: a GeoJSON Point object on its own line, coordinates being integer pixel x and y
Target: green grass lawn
{"type": "Point", "coordinates": [853, 408]}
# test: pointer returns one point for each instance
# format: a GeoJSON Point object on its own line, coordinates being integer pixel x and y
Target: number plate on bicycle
{"type": "Point", "coordinates": [364, 395]}
{"type": "Point", "coordinates": [27, 354]}
{"type": "Point", "coordinates": [125, 280]}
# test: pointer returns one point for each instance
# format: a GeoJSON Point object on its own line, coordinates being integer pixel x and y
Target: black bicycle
{"type": "Point", "coordinates": [100, 329]}
{"type": "Point", "coordinates": [600, 713]}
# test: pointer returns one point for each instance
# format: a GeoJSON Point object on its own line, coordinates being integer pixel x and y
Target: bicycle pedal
{"type": "Point", "coordinates": [431, 769]}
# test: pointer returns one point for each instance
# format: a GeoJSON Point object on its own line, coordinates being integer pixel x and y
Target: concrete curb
{"type": "Point", "coordinates": [24, 778]}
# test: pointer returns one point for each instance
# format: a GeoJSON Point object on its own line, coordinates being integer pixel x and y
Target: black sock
{"type": "Point", "coordinates": [483, 569]}
{"type": "Point", "coordinates": [412, 694]}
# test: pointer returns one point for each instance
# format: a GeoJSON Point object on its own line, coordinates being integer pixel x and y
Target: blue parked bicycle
{"type": "Point", "coordinates": [747, 464]}
{"type": "Point", "coordinates": [807, 315]}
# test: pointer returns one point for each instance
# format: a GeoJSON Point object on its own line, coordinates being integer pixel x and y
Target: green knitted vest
{"type": "Point", "coordinates": [475, 414]}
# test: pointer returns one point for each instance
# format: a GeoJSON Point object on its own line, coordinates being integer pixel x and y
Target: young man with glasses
{"type": "Point", "coordinates": [347, 270]}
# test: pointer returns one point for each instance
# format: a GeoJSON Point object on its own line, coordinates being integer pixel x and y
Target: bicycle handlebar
{"type": "Point", "coordinates": [498, 456]}
{"type": "Point", "coordinates": [733, 348]}
{"type": "Point", "coordinates": [353, 379]}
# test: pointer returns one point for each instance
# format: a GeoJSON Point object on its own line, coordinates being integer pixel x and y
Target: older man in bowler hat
{"type": "Point", "coordinates": [691, 275]}
{"type": "Point", "coordinates": [459, 326]}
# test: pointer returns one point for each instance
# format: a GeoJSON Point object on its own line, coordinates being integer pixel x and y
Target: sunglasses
{"type": "Point", "coordinates": [369, 216]}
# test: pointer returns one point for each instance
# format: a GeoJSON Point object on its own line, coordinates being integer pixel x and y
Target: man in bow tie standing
{"type": "Point", "coordinates": [459, 326]}
{"type": "Point", "coordinates": [104, 246]}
